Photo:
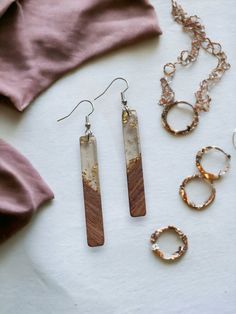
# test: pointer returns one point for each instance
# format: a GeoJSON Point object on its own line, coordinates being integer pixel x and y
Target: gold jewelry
{"type": "Point", "coordinates": [184, 195]}
{"type": "Point", "coordinates": [211, 176]}
{"type": "Point", "coordinates": [191, 25]}
{"type": "Point", "coordinates": [205, 177]}
{"type": "Point", "coordinates": [189, 128]}
{"type": "Point", "coordinates": [181, 250]}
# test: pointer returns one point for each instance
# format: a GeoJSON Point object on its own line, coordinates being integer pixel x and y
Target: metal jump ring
{"type": "Point", "coordinates": [183, 193]}
{"type": "Point", "coordinates": [172, 69]}
{"type": "Point", "coordinates": [234, 138]}
{"type": "Point", "coordinates": [181, 250]}
{"type": "Point", "coordinates": [189, 128]}
{"type": "Point", "coordinates": [207, 175]}
{"type": "Point", "coordinates": [207, 44]}
{"type": "Point", "coordinates": [185, 57]}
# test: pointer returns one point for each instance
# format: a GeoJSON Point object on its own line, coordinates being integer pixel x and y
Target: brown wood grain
{"type": "Point", "coordinates": [93, 214]}
{"type": "Point", "coordinates": [136, 188]}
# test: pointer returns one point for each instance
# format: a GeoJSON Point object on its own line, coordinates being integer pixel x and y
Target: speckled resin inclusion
{"type": "Point", "coordinates": [133, 163]}
{"type": "Point", "coordinates": [91, 186]}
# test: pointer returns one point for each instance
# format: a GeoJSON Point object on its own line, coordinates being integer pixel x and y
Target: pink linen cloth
{"type": "Point", "coordinates": [22, 191]}
{"type": "Point", "coordinates": [42, 40]}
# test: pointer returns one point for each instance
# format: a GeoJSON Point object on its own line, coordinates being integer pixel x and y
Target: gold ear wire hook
{"type": "Point", "coordinates": [123, 99]}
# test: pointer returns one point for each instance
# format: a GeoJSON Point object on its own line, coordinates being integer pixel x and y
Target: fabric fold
{"type": "Point", "coordinates": [22, 191]}
{"type": "Point", "coordinates": [4, 5]}
{"type": "Point", "coordinates": [42, 40]}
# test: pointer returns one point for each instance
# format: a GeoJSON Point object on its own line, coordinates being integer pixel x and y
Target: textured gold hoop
{"type": "Point", "coordinates": [189, 128]}
{"type": "Point", "coordinates": [211, 176]}
{"type": "Point", "coordinates": [181, 250]}
{"type": "Point", "coordinates": [183, 193]}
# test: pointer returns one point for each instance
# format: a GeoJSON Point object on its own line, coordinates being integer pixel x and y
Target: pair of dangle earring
{"type": "Point", "coordinates": [133, 155]}
{"type": "Point", "coordinates": [90, 179]}
{"type": "Point", "coordinates": [90, 174]}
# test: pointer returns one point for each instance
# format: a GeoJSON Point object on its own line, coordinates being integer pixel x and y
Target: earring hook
{"type": "Point", "coordinates": [88, 131]}
{"type": "Point", "coordinates": [123, 99]}
{"type": "Point", "coordinates": [85, 100]}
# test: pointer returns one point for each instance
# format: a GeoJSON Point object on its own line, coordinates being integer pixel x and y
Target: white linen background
{"type": "Point", "coordinates": [47, 267]}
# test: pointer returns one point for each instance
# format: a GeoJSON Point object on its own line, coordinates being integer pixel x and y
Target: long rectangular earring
{"type": "Point", "coordinates": [134, 167]}
{"type": "Point", "coordinates": [133, 156]}
{"type": "Point", "coordinates": [91, 185]}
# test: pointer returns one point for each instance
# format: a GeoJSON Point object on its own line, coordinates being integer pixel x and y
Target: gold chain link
{"type": "Point", "coordinates": [193, 26]}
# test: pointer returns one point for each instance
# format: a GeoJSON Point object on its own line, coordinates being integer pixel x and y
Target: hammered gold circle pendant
{"type": "Point", "coordinates": [189, 128]}
{"type": "Point", "coordinates": [180, 251]}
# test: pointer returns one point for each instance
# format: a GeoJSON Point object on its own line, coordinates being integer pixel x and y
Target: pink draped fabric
{"type": "Point", "coordinates": [42, 40]}
{"type": "Point", "coordinates": [22, 191]}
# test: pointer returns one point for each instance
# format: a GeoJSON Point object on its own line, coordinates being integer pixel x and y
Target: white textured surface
{"type": "Point", "coordinates": [48, 268]}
